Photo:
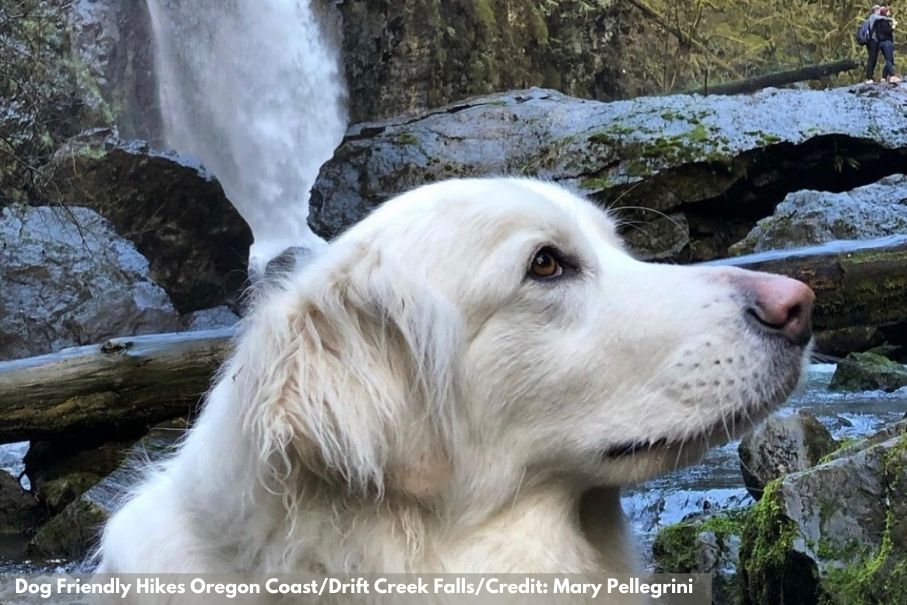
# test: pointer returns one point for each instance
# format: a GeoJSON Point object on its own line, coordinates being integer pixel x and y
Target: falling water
{"type": "Point", "coordinates": [254, 90]}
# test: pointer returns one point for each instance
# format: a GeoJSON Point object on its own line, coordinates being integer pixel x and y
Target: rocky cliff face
{"type": "Point", "coordinates": [112, 42]}
{"type": "Point", "coordinates": [404, 56]}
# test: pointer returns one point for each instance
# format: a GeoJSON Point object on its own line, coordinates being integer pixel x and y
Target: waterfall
{"type": "Point", "coordinates": [254, 90]}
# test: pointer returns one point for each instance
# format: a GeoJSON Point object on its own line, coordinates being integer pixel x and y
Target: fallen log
{"type": "Point", "coordinates": [778, 78]}
{"type": "Point", "coordinates": [146, 379]}
{"type": "Point", "coordinates": [122, 382]}
{"type": "Point", "coordinates": [858, 284]}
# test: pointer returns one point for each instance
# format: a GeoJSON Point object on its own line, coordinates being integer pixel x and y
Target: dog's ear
{"type": "Point", "coordinates": [347, 372]}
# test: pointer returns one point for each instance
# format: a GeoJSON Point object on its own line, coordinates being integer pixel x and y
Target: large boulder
{"type": "Point", "coordinates": [814, 217]}
{"type": "Point", "coordinates": [404, 56]}
{"type": "Point", "coordinates": [713, 164]}
{"type": "Point", "coordinates": [834, 533]}
{"type": "Point", "coordinates": [868, 372]}
{"type": "Point", "coordinates": [780, 446]}
{"type": "Point", "coordinates": [170, 207]}
{"type": "Point", "coordinates": [69, 279]}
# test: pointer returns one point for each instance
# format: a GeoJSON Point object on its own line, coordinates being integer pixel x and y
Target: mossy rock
{"type": "Point", "coordinates": [72, 533]}
{"type": "Point", "coordinates": [771, 570]}
{"type": "Point", "coordinates": [868, 372]}
{"type": "Point", "coordinates": [58, 493]}
{"type": "Point", "coordinates": [782, 445]}
{"type": "Point", "coordinates": [708, 545]}
{"type": "Point", "coordinates": [833, 534]}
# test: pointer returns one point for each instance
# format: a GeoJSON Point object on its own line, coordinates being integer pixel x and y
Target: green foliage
{"type": "Point", "coordinates": [692, 44]}
{"type": "Point", "coordinates": [37, 90]}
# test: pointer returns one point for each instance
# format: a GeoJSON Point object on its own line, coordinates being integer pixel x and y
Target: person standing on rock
{"type": "Point", "coordinates": [881, 27]}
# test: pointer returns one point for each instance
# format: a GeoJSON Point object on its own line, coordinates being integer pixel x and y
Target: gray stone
{"type": "Point", "coordinates": [782, 445]}
{"type": "Point", "coordinates": [716, 159]}
{"type": "Point", "coordinates": [868, 372]}
{"type": "Point", "coordinates": [210, 319]}
{"type": "Point", "coordinates": [69, 279]}
{"type": "Point", "coordinates": [814, 217]}
{"type": "Point", "coordinates": [169, 206]}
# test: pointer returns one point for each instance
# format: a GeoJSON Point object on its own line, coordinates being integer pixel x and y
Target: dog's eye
{"type": "Point", "coordinates": [546, 264]}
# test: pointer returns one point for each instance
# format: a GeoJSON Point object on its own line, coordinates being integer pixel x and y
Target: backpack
{"type": "Point", "coordinates": [863, 33]}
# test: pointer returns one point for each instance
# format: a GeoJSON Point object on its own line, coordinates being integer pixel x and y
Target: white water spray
{"type": "Point", "coordinates": [254, 89]}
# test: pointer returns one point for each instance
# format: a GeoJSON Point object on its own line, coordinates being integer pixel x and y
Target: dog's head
{"type": "Point", "coordinates": [494, 333]}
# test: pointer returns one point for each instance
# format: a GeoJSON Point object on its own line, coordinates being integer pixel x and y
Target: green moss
{"type": "Point", "coordinates": [538, 29]}
{"type": "Point", "coordinates": [406, 138]}
{"type": "Point", "coordinates": [770, 567]}
{"type": "Point", "coordinates": [843, 445]}
{"type": "Point", "coordinates": [676, 549]}
{"type": "Point", "coordinates": [483, 14]}
{"type": "Point", "coordinates": [91, 152]}
{"type": "Point", "coordinates": [853, 584]}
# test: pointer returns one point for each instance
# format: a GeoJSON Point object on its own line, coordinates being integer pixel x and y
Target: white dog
{"type": "Point", "coordinates": [462, 382]}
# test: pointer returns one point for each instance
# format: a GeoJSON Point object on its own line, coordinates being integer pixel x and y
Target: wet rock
{"type": "Point", "coordinates": [60, 471]}
{"type": "Point", "coordinates": [401, 57]}
{"type": "Point", "coordinates": [172, 209]}
{"type": "Point", "coordinates": [71, 533]}
{"type": "Point", "coordinates": [69, 279]}
{"type": "Point", "coordinates": [782, 445]}
{"type": "Point", "coordinates": [708, 545]}
{"type": "Point", "coordinates": [721, 161]}
{"type": "Point", "coordinates": [19, 511]}
{"type": "Point", "coordinates": [833, 533]}
{"type": "Point", "coordinates": [210, 319]}
{"type": "Point", "coordinates": [813, 217]}
{"type": "Point", "coordinates": [868, 372]}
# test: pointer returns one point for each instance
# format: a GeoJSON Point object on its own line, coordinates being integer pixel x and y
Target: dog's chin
{"type": "Point", "coordinates": [639, 460]}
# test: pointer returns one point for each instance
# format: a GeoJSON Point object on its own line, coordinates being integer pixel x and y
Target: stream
{"type": "Point", "coordinates": [714, 484]}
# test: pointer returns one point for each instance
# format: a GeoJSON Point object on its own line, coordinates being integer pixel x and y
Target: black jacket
{"type": "Point", "coordinates": [882, 30]}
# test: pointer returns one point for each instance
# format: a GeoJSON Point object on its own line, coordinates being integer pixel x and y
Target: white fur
{"type": "Point", "coordinates": [411, 402]}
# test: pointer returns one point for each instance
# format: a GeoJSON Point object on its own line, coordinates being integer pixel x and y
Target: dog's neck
{"type": "Point", "coordinates": [558, 531]}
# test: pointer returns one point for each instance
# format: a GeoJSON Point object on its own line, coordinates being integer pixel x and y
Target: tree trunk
{"type": "Point", "coordinates": [123, 382]}
{"type": "Point", "coordinates": [779, 78]}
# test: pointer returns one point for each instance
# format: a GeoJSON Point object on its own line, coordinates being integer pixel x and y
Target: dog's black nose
{"type": "Point", "coordinates": [779, 304]}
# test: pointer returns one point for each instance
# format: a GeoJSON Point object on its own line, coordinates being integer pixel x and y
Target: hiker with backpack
{"type": "Point", "coordinates": [877, 33]}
